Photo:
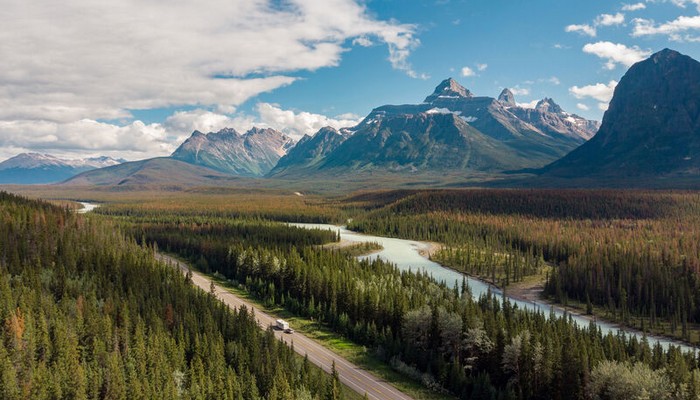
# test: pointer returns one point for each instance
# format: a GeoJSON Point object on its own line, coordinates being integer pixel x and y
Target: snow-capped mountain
{"type": "Point", "coordinates": [36, 168]}
{"type": "Point", "coordinates": [454, 131]}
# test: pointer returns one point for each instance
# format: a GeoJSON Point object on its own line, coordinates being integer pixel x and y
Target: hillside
{"type": "Point", "coordinates": [152, 172]}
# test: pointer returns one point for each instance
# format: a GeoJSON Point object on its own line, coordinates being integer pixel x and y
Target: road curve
{"type": "Point", "coordinates": [350, 374]}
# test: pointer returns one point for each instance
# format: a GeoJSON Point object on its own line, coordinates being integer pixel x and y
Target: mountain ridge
{"type": "Point", "coordinates": [38, 168]}
{"type": "Point", "coordinates": [251, 154]}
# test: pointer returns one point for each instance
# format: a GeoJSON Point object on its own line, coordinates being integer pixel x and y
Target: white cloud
{"type": "Point", "coordinates": [138, 140]}
{"type": "Point", "coordinates": [634, 7]}
{"type": "Point", "coordinates": [531, 104]}
{"type": "Point", "coordinates": [482, 67]}
{"type": "Point", "coordinates": [603, 106]}
{"type": "Point", "coordinates": [610, 20]}
{"type": "Point", "coordinates": [679, 3]}
{"type": "Point", "coordinates": [554, 80]}
{"type": "Point", "coordinates": [84, 60]}
{"type": "Point", "coordinates": [583, 29]}
{"type": "Point", "coordinates": [599, 91]}
{"type": "Point", "coordinates": [582, 107]}
{"type": "Point", "coordinates": [676, 30]}
{"type": "Point", "coordinates": [86, 136]}
{"type": "Point", "coordinates": [466, 71]}
{"type": "Point", "coordinates": [296, 124]}
{"type": "Point", "coordinates": [517, 91]}
{"type": "Point", "coordinates": [616, 53]}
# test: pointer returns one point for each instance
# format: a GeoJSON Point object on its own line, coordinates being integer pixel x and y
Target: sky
{"type": "Point", "coordinates": [133, 78]}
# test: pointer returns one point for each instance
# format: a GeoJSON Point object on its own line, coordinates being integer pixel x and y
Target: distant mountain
{"type": "Point", "coordinates": [310, 151]}
{"type": "Point", "coordinates": [154, 172]}
{"type": "Point", "coordinates": [651, 129]}
{"type": "Point", "coordinates": [549, 118]}
{"type": "Point", "coordinates": [254, 153]}
{"type": "Point", "coordinates": [453, 131]}
{"type": "Point", "coordinates": [35, 168]}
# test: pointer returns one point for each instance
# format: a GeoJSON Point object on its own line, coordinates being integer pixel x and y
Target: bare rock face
{"type": "Point", "coordinates": [507, 98]}
{"type": "Point", "coordinates": [310, 151]}
{"type": "Point", "coordinates": [652, 127]}
{"type": "Point", "coordinates": [254, 153]}
{"type": "Point", "coordinates": [449, 89]}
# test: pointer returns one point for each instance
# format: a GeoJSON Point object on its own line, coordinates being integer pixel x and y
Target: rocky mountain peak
{"type": "Point", "coordinates": [449, 89]}
{"type": "Point", "coordinates": [664, 56]}
{"type": "Point", "coordinates": [506, 97]}
{"type": "Point", "coordinates": [327, 130]}
{"type": "Point", "coordinates": [652, 127]}
{"type": "Point", "coordinates": [548, 105]}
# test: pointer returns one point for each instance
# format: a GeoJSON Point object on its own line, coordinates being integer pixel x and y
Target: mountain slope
{"type": "Point", "coordinates": [651, 129]}
{"type": "Point", "coordinates": [455, 132]}
{"type": "Point", "coordinates": [35, 168]}
{"type": "Point", "coordinates": [309, 151]}
{"type": "Point", "coordinates": [421, 142]}
{"type": "Point", "coordinates": [152, 172]}
{"type": "Point", "coordinates": [254, 153]}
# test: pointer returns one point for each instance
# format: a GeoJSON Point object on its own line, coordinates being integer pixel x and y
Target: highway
{"type": "Point", "coordinates": [351, 375]}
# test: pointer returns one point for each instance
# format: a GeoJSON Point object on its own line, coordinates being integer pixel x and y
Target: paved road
{"type": "Point", "coordinates": [351, 375]}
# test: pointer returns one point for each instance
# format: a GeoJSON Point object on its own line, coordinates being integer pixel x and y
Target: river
{"type": "Point", "coordinates": [405, 254]}
{"type": "Point", "coordinates": [87, 207]}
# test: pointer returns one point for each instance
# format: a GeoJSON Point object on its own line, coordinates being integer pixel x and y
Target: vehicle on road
{"type": "Point", "coordinates": [289, 330]}
{"type": "Point", "coordinates": [281, 324]}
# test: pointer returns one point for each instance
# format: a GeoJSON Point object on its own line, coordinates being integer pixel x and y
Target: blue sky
{"type": "Point", "coordinates": [132, 79]}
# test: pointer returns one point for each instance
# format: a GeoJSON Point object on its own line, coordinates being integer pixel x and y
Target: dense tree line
{"type": "Point", "coordinates": [87, 314]}
{"type": "Point", "coordinates": [473, 348]}
{"type": "Point", "coordinates": [633, 253]}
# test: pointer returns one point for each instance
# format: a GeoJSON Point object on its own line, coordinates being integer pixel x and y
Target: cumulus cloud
{"type": "Point", "coordinates": [583, 29]}
{"type": "Point", "coordinates": [679, 30]}
{"type": "Point", "coordinates": [610, 19]}
{"type": "Point", "coordinates": [582, 107]}
{"type": "Point", "coordinates": [87, 137]}
{"type": "Point", "coordinates": [599, 91]}
{"type": "Point", "coordinates": [679, 3]}
{"type": "Point", "coordinates": [482, 67]}
{"type": "Point", "coordinates": [634, 7]}
{"type": "Point", "coordinates": [603, 106]}
{"type": "Point", "coordinates": [601, 20]}
{"type": "Point", "coordinates": [138, 140]}
{"type": "Point", "coordinates": [517, 91]}
{"type": "Point", "coordinates": [466, 71]}
{"type": "Point", "coordinates": [616, 53]}
{"type": "Point", "coordinates": [64, 64]}
{"type": "Point", "coordinates": [296, 124]}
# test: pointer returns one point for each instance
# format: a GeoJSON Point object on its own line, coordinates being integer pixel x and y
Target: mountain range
{"type": "Point", "coordinates": [650, 131]}
{"type": "Point", "coordinates": [451, 130]}
{"type": "Point", "coordinates": [35, 168]}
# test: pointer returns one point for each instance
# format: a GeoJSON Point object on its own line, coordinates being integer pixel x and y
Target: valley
{"type": "Point", "coordinates": [235, 238]}
{"type": "Point", "coordinates": [461, 247]}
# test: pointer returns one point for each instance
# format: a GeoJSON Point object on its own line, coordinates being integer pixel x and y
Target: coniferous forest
{"type": "Point", "coordinates": [634, 254]}
{"type": "Point", "coordinates": [471, 348]}
{"type": "Point", "coordinates": [87, 313]}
